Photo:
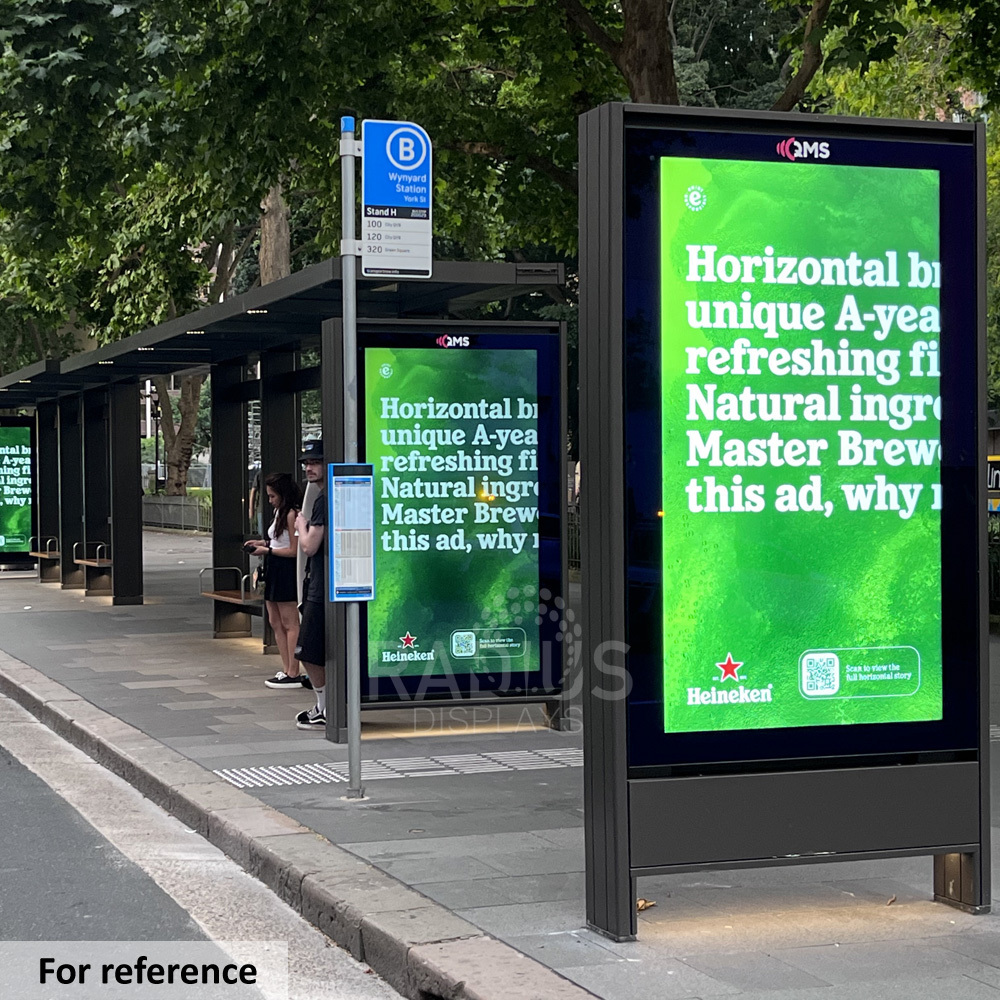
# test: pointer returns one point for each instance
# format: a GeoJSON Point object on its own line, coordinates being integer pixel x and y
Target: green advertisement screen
{"type": "Point", "coordinates": [800, 408]}
{"type": "Point", "coordinates": [453, 436]}
{"type": "Point", "coordinates": [15, 487]}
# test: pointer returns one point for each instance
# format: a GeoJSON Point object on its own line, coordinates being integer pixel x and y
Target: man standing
{"type": "Point", "coordinates": [311, 649]}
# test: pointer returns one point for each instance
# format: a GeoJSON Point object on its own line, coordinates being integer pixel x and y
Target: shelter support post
{"type": "Point", "coordinates": [279, 433]}
{"type": "Point", "coordinates": [125, 470]}
{"type": "Point", "coordinates": [96, 495]}
{"type": "Point", "coordinates": [47, 499]}
{"type": "Point", "coordinates": [70, 491]}
{"type": "Point", "coordinates": [332, 375]}
{"type": "Point", "coordinates": [229, 488]}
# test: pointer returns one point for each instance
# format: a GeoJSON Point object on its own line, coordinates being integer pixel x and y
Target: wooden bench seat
{"type": "Point", "coordinates": [254, 605]}
{"type": "Point", "coordinates": [96, 563]}
{"type": "Point", "coordinates": [48, 554]}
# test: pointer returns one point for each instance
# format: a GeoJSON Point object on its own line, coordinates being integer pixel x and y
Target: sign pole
{"type": "Point", "coordinates": [348, 253]}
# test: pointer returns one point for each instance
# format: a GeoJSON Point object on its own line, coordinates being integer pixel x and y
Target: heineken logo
{"type": "Point", "coordinates": [729, 695]}
{"type": "Point", "coordinates": [407, 651]}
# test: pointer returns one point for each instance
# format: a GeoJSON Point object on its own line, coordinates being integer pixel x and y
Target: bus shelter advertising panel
{"type": "Point", "coordinates": [801, 384]}
{"type": "Point", "coordinates": [16, 485]}
{"type": "Point", "coordinates": [463, 433]}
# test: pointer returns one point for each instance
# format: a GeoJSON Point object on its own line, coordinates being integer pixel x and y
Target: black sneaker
{"type": "Point", "coordinates": [282, 680]}
{"type": "Point", "coordinates": [306, 683]}
{"type": "Point", "coordinates": [313, 719]}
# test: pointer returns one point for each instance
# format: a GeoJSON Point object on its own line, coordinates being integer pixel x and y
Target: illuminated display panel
{"type": "Point", "coordinates": [464, 444]}
{"type": "Point", "coordinates": [792, 485]}
{"type": "Point", "coordinates": [800, 414]}
{"type": "Point", "coordinates": [16, 485]}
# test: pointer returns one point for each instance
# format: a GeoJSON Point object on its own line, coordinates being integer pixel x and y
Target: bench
{"type": "Point", "coordinates": [45, 548]}
{"type": "Point", "coordinates": [97, 561]}
{"type": "Point", "coordinates": [48, 552]}
{"type": "Point", "coordinates": [96, 567]}
{"type": "Point", "coordinates": [232, 607]}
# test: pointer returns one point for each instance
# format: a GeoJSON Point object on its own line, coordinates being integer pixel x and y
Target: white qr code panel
{"type": "Point", "coordinates": [820, 674]}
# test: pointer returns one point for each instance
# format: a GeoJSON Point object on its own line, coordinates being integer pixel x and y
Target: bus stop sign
{"type": "Point", "coordinates": [396, 182]}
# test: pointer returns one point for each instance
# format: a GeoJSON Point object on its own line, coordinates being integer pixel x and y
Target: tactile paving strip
{"type": "Point", "coordinates": [402, 767]}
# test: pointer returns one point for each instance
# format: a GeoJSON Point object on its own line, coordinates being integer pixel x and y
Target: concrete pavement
{"type": "Point", "coordinates": [461, 874]}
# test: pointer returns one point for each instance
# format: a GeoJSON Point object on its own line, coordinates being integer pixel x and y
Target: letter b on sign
{"type": "Point", "coordinates": [406, 148]}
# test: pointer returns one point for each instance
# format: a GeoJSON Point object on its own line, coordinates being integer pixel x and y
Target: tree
{"type": "Point", "coordinates": [148, 147]}
{"type": "Point", "coordinates": [178, 438]}
{"type": "Point", "coordinates": [924, 80]}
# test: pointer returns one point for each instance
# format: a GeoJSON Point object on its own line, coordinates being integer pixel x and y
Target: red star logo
{"type": "Point", "coordinates": [729, 668]}
{"type": "Point", "coordinates": [407, 640]}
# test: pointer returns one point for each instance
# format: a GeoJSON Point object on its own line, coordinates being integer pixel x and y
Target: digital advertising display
{"type": "Point", "coordinates": [800, 445]}
{"type": "Point", "coordinates": [463, 441]}
{"type": "Point", "coordinates": [16, 485]}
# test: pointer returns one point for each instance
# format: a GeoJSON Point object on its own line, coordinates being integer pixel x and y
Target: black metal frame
{"type": "Point", "coordinates": [229, 490]}
{"type": "Point", "coordinates": [557, 704]}
{"type": "Point", "coordinates": [637, 825]}
{"type": "Point", "coordinates": [47, 487]}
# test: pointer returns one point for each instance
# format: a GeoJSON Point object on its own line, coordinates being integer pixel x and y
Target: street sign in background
{"type": "Point", "coordinates": [396, 183]}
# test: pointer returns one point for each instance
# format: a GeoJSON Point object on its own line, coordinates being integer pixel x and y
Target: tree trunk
{"type": "Point", "coordinates": [178, 441]}
{"type": "Point", "coordinates": [812, 57]}
{"type": "Point", "coordinates": [646, 56]}
{"type": "Point", "coordinates": [275, 238]}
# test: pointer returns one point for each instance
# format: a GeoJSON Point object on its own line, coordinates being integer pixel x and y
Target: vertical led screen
{"type": "Point", "coordinates": [16, 486]}
{"type": "Point", "coordinates": [801, 407]}
{"type": "Point", "coordinates": [461, 494]}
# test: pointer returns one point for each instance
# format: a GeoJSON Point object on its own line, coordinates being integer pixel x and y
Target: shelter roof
{"type": "Point", "coordinates": [281, 314]}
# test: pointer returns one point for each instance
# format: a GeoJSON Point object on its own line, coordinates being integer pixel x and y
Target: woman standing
{"type": "Point", "coordinates": [280, 584]}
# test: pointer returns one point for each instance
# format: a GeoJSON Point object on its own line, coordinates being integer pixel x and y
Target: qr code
{"type": "Point", "coordinates": [820, 673]}
{"type": "Point", "coordinates": [463, 643]}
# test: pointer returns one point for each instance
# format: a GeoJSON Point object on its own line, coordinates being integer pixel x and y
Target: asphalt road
{"type": "Point", "coordinates": [62, 881]}
{"type": "Point", "coordinates": [85, 858]}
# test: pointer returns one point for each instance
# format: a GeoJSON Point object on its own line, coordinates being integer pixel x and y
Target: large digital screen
{"type": "Point", "coordinates": [802, 456]}
{"type": "Point", "coordinates": [801, 445]}
{"type": "Point", "coordinates": [16, 485]}
{"type": "Point", "coordinates": [464, 512]}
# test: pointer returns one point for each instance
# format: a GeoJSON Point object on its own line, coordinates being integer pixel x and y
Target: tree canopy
{"type": "Point", "coordinates": [140, 140]}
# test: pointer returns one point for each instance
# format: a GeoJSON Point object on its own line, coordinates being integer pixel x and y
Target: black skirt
{"type": "Point", "coordinates": [280, 583]}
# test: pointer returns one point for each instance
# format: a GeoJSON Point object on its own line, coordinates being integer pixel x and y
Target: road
{"type": "Point", "coordinates": [85, 858]}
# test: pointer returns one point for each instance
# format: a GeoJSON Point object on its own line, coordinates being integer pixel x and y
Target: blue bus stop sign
{"type": "Point", "coordinates": [396, 184]}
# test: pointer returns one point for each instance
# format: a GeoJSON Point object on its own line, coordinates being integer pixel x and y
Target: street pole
{"type": "Point", "coordinates": [156, 447]}
{"type": "Point", "coordinates": [348, 263]}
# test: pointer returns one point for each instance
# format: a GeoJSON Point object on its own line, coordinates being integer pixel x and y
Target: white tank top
{"type": "Point", "coordinates": [281, 541]}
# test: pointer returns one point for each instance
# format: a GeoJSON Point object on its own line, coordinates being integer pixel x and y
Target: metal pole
{"type": "Point", "coordinates": [348, 263]}
{"type": "Point", "coordinates": [156, 448]}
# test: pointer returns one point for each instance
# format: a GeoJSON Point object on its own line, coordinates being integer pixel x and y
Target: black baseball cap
{"type": "Point", "coordinates": [312, 451]}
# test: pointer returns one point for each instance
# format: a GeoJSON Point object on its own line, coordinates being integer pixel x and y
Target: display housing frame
{"type": "Point", "coordinates": [545, 683]}
{"type": "Point", "coordinates": [663, 811]}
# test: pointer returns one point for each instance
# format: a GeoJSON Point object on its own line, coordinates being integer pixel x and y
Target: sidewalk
{"type": "Point", "coordinates": [467, 855]}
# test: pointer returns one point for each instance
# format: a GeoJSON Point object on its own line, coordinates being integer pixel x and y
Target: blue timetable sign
{"type": "Point", "coordinates": [396, 185]}
{"type": "Point", "coordinates": [351, 498]}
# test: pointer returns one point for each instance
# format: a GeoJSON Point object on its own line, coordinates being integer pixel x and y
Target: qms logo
{"type": "Point", "coordinates": [446, 340]}
{"type": "Point", "coordinates": [794, 150]}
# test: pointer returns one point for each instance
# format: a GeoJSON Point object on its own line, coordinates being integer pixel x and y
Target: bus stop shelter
{"type": "Point", "coordinates": [88, 475]}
